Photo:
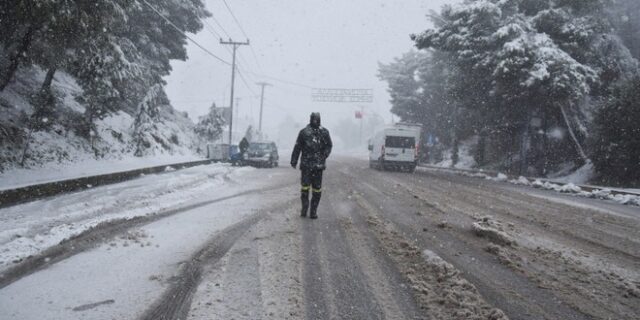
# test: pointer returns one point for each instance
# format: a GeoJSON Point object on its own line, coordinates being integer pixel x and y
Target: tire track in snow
{"type": "Point", "coordinates": [506, 288]}
{"type": "Point", "coordinates": [176, 301]}
{"type": "Point", "coordinates": [260, 276]}
{"type": "Point", "coordinates": [101, 233]}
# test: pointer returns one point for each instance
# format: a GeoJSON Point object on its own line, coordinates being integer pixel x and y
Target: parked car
{"type": "Point", "coordinates": [236, 158]}
{"type": "Point", "coordinates": [262, 154]}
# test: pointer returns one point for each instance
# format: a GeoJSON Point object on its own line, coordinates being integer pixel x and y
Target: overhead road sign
{"type": "Point", "coordinates": [342, 95]}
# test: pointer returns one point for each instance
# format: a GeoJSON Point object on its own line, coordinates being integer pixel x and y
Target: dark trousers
{"type": "Point", "coordinates": [311, 181]}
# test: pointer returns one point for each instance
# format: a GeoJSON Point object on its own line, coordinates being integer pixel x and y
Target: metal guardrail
{"type": "Point", "coordinates": [588, 188]}
{"type": "Point", "coordinates": [29, 193]}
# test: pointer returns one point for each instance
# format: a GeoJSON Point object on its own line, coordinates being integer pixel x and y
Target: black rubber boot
{"type": "Point", "coordinates": [315, 201]}
{"type": "Point", "coordinates": [304, 196]}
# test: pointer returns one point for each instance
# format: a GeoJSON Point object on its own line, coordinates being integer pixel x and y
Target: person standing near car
{"type": "Point", "coordinates": [243, 146]}
{"type": "Point", "coordinates": [313, 147]}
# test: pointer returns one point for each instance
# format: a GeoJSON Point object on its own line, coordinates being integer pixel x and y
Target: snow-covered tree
{"type": "Point", "coordinates": [151, 43]}
{"type": "Point", "coordinates": [102, 69]}
{"type": "Point", "coordinates": [122, 65]}
{"type": "Point", "coordinates": [520, 59]}
{"type": "Point", "coordinates": [147, 138]}
{"type": "Point", "coordinates": [419, 91]}
{"type": "Point", "coordinates": [210, 126]}
{"type": "Point", "coordinates": [20, 21]}
{"type": "Point", "coordinates": [252, 134]}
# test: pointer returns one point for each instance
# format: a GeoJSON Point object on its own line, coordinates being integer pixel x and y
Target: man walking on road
{"type": "Point", "coordinates": [314, 142]}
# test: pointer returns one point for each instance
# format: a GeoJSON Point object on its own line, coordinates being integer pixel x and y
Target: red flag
{"type": "Point", "coordinates": [358, 114]}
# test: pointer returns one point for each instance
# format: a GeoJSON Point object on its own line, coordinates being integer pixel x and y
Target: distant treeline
{"type": "Point", "coordinates": [539, 83]}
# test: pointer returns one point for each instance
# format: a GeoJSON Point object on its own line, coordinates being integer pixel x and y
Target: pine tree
{"type": "Point", "coordinates": [152, 43]}
{"type": "Point", "coordinates": [118, 51]}
{"type": "Point", "coordinates": [419, 91]}
{"type": "Point", "coordinates": [122, 64]}
{"type": "Point", "coordinates": [210, 126]}
{"type": "Point", "coordinates": [21, 20]}
{"type": "Point", "coordinates": [146, 138]}
{"type": "Point", "coordinates": [520, 59]}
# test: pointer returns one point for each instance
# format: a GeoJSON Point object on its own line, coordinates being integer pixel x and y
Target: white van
{"type": "Point", "coordinates": [395, 147]}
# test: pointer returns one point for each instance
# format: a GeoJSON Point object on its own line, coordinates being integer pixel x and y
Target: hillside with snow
{"type": "Point", "coordinates": [58, 144]}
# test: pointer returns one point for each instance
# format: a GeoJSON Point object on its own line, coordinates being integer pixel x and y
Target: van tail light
{"type": "Point", "coordinates": [417, 151]}
{"type": "Point", "coordinates": [382, 151]}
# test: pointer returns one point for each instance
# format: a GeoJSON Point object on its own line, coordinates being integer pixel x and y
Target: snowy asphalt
{"type": "Point", "coordinates": [387, 245]}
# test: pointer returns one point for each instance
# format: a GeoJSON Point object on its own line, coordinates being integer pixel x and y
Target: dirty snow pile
{"type": "Point", "coordinates": [493, 230]}
{"type": "Point", "coordinates": [604, 194]}
{"type": "Point", "coordinates": [569, 188]}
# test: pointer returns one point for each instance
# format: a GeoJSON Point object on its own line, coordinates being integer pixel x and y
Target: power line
{"type": "Point", "coordinates": [217, 36]}
{"type": "Point", "coordinates": [246, 84]}
{"type": "Point", "coordinates": [242, 59]}
{"type": "Point", "coordinates": [235, 19]}
{"type": "Point", "coordinates": [253, 52]}
{"type": "Point", "coordinates": [220, 26]}
{"type": "Point", "coordinates": [279, 80]}
{"type": "Point", "coordinates": [211, 30]}
{"type": "Point", "coordinates": [215, 56]}
{"type": "Point", "coordinates": [184, 34]}
{"type": "Point", "coordinates": [257, 61]}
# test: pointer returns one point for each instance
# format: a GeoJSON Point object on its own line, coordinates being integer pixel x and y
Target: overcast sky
{"type": "Point", "coordinates": [316, 43]}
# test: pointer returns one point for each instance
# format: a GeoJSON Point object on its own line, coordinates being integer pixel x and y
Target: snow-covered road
{"type": "Point", "coordinates": [27, 229]}
{"type": "Point", "coordinates": [217, 242]}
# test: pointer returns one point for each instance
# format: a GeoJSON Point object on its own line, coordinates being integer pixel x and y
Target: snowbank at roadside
{"type": "Point", "coordinates": [51, 172]}
{"type": "Point", "coordinates": [581, 175]}
{"type": "Point", "coordinates": [603, 193]}
{"type": "Point", "coordinates": [30, 228]}
{"type": "Point", "coordinates": [465, 156]}
{"type": "Point", "coordinates": [570, 188]}
{"type": "Point", "coordinates": [116, 279]}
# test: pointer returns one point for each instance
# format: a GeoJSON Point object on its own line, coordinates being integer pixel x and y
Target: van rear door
{"type": "Point", "coordinates": [399, 148]}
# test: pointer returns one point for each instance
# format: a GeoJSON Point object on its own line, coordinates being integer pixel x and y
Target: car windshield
{"type": "Point", "coordinates": [259, 147]}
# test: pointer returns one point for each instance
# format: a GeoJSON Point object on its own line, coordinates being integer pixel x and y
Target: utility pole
{"type": "Point", "coordinates": [237, 106]}
{"type": "Point", "coordinates": [262, 84]}
{"type": "Point", "coordinates": [235, 46]}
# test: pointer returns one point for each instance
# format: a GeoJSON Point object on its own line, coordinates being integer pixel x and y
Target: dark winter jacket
{"type": "Point", "coordinates": [314, 142]}
{"type": "Point", "coordinates": [244, 145]}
